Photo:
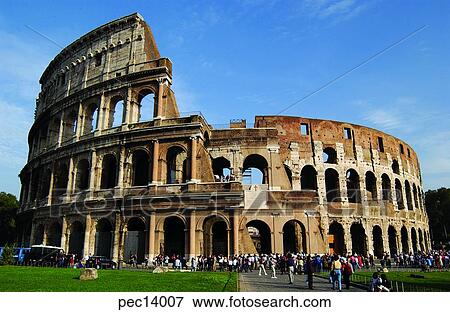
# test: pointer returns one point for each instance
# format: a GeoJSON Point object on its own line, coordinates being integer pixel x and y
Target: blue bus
{"type": "Point", "coordinates": [19, 254]}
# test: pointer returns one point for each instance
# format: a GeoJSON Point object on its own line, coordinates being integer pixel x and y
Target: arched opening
{"type": "Point", "coordinates": [91, 117]}
{"type": "Point", "coordinates": [414, 239]}
{"type": "Point", "coordinates": [39, 235]}
{"type": "Point", "coordinates": [147, 104]}
{"type": "Point", "coordinates": [392, 233]}
{"type": "Point", "coordinates": [332, 185]}
{"type": "Point", "coordinates": [378, 248]}
{"type": "Point", "coordinates": [174, 236]}
{"type": "Point", "coordinates": [408, 196]}
{"type": "Point", "coordinates": [53, 130]}
{"type": "Point", "coordinates": [353, 189]}
{"type": "Point", "coordinates": [54, 234]}
{"type": "Point", "coordinates": [221, 169]}
{"type": "Point", "coordinates": [358, 234]}
{"type": "Point", "coordinates": [45, 187]}
{"type": "Point", "coordinates": [215, 236]}
{"type": "Point", "coordinates": [399, 194]}
{"type": "Point", "coordinates": [404, 238]}
{"type": "Point", "coordinates": [260, 234]}
{"type": "Point", "coordinates": [255, 170]}
{"type": "Point", "coordinates": [109, 172]}
{"type": "Point", "coordinates": [294, 237]}
{"type": "Point", "coordinates": [103, 238]}
{"type": "Point", "coordinates": [135, 240]}
{"type": "Point", "coordinates": [329, 155]}
{"type": "Point", "coordinates": [70, 125]}
{"type": "Point", "coordinates": [336, 239]}
{"type": "Point", "coordinates": [35, 184]}
{"type": "Point", "coordinates": [61, 178]}
{"type": "Point", "coordinates": [76, 239]}
{"type": "Point", "coordinates": [116, 112]}
{"type": "Point", "coordinates": [308, 178]}
{"type": "Point", "coordinates": [371, 186]}
{"type": "Point", "coordinates": [416, 198]}
{"type": "Point", "coordinates": [141, 168]}
{"type": "Point", "coordinates": [421, 246]}
{"type": "Point", "coordinates": [83, 175]}
{"type": "Point", "coordinates": [386, 187]}
{"type": "Point", "coordinates": [177, 165]}
{"type": "Point", "coordinates": [395, 166]}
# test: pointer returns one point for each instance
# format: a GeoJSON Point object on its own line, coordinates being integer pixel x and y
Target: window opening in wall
{"type": "Point", "coordinates": [304, 129]}
{"type": "Point", "coordinates": [380, 145]}
{"type": "Point", "coordinates": [98, 59]}
{"type": "Point", "coordinates": [409, 153]}
{"type": "Point", "coordinates": [347, 133]}
{"type": "Point", "coordinates": [402, 151]}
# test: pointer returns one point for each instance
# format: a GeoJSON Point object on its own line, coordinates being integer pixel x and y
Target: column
{"type": "Point", "coordinates": [93, 171]}
{"type": "Point", "coordinates": [155, 162]}
{"type": "Point", "coordinates": [32, 234]}
{"type": "Point", "coordinates": [61, 129]}
{"type": "Point", "coordinates": [87, 236]}
{"type": "Point", "coordinates": [159, 108]}
{"type": "Point", "coordinates": [151, 236]}
{"type": "Point", "coordinates": [64, 235]}
{"type": "Point", "coordinates": [50, 189]}
{"type": "Point", "coordinates": [70, 180]}
{"type": "Point", "coordinates": [348, 238]}
{"type": "Point", "coordinates": [121, 167]}
{"type": "Point", "coordinates": [192, 221]}
{"type": "Point", "coordinates": [194, 159]}
{"type": "Point", "coordinates": [128, 107]}
{"type": "Point", "coordinates": [80, 125]}
{"type": "Point", "coordinates": [236, 231]}
{"type": "Point", "coordinates": [117, 239]}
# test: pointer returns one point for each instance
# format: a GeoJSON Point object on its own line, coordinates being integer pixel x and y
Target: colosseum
{"type": "Point", "coordinates": [115, 169]}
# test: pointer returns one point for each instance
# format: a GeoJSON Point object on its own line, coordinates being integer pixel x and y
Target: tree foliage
{"type": "Point", "coordinates": [438, 209]}
{"type": "Point", "coordinates": [8, 210]}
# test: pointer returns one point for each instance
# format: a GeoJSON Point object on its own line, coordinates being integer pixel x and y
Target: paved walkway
{"type": "Point", "coordinates": [264, 283]}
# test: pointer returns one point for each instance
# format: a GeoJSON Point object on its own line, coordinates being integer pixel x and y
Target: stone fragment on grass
{"type": "Point", "coordinates": [88, 275]}
{"type": "Point", "coordinates": [160, 269]}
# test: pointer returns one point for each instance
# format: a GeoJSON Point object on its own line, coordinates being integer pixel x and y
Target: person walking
{"type": "Point", "coordinates": [336, 267]}
{"type": "Point", "coordinates": [261, 265]}
{"type": "Point", "coordinates": [309, 271]}
{"type": "Point", "coordinates": [290, 265]}
{"type": "Point", "coordinates": [272, 266]}
{"type": "Point", "coordinates": [347, 271]}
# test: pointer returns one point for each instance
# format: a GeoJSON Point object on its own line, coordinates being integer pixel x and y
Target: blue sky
{"type": "Point", "coordinates": [240, 58]}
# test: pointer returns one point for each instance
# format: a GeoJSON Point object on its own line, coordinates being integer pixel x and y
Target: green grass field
{"type": "Point", "coordinates": [51, 279]}
{"type": "Point", "coordinates": [431, 281]}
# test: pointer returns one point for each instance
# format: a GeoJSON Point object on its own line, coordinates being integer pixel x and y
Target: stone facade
{"type": "Point", "coordinates": [114, 169]}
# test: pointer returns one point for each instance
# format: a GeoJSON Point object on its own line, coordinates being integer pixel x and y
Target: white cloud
{"type": "Point", "coordinates": [337, 9]}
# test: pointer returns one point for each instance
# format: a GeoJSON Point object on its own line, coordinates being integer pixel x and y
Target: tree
{"type": "Point", "coordinates": [438, 209]}
{"type": "Point", "coordinates": [8, 209]}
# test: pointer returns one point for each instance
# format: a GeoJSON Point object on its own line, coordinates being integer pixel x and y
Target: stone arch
{"type": "Point", "coordinates": [294, 237]}
{"type": "Point", "coordinates": [76, 238]}
{"type": "Point", "coordinates": [146, 98]}
{"type": "Point", "coordinates": [221, 168]}
{"type": "Point", "coordinates": [386, 187]}
{"type": "Point", "coordinates": [255, 169]}
{"type": "Point", "coordinates": [109, 171]}
{"type": "Point", "coordinates": [336, 239]}
{"type": "Point", "coordinates": [83, 175]}
{"type": "Point", "coordinates": [392, 237]}
{"type": "Point", "coordinates": [103, 238]}
{"type": "Point", "coordinates": [414, 239]}
{"type": "Point", "coordinates": [408, 195]}
{"type": "Point", "coordinates": [395, 166]}
{"type": "Point", "coordinates": [399, 194]}
{"type": "Point", "coordinates": [45, 187]}
{"type": "Point", "coordinates": [216, 235]}
{"type": "Point", "coordinates": [174, 236]}
{"type": "Point", "coordinates": [371, 186]}
{"type": "Point", "coordinates": [61, 178]}
{"type": "Point", "coordinates": [54, 233]}
{"type": "Point", "coordinates": [69, 124]}
{"type": "Point", "coordinates": [353, 186]}
{"type": "Point", "coordinates": [91, 117]}
{"type": "Point", "coordinates": [332, 185]}
{"type": "Point", "coordinates": [260, 234]}
{"type": "Point", "coordinates": [140, 168]}
{"type": "Point", "coordinates": [177, 165]}
{"type": "Point", "coordinates": [358, 233]}
{"type": "Point", "coordinates": [308, 178]}
{"type": "Point", "coordinates": [329, 155]}
{"type": "Point", "coordinates": [377, 236]}
{"type": "Point", "coordinates": [421, 245]}
{"type": "Point", "coordinates": [39, 235]}
{"type": "Point", "coordinates": [404, 239]}
{"type": "Point", "coordinates": [135, 240]}
{"type": "Point", "coordinates": [117, 112]}
{"type": "Point", "coordinates": [416, 200]}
